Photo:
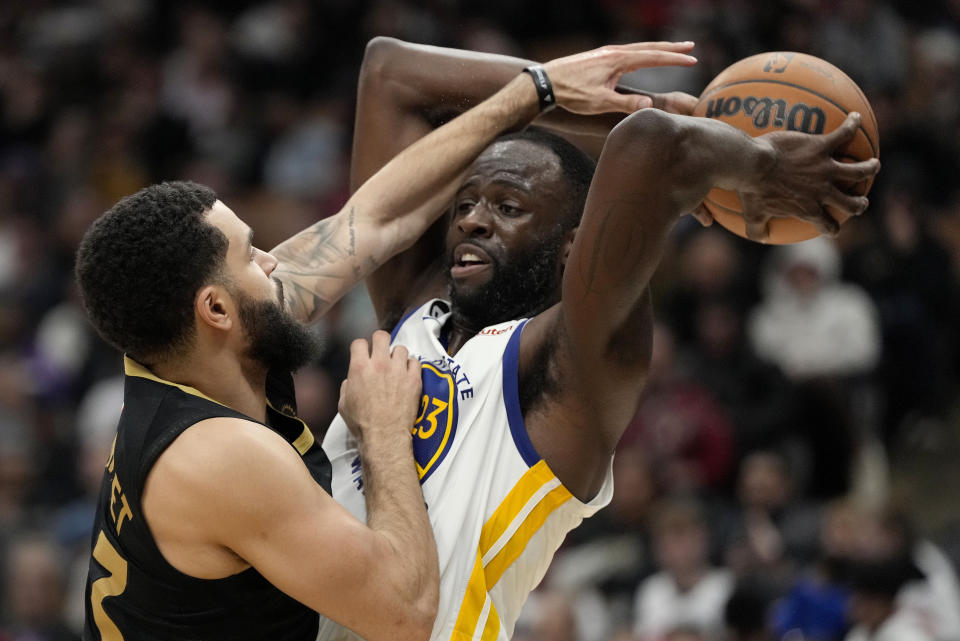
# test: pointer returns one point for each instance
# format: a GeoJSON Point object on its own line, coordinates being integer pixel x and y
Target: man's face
{"type": "Point", "coordinates": [274, 338]}
{"type": "Point", "coordinates": [505, 238]}
{"type": "Point", "coordinates": [247, 268]}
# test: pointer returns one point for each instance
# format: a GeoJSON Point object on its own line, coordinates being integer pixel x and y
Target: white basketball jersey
{"type": "Point", "coordinates": [497, 510]}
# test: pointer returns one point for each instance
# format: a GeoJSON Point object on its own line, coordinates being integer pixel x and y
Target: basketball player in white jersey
{"type": "Point", "coordinates": [532, 324]}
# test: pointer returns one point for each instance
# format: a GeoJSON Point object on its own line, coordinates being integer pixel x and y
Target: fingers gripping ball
{"type": "Point", "coordinates": [779, 91]}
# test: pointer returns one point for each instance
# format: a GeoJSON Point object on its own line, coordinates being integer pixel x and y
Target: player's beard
{"type": "Point", "coordinates": [276, 340]}
{"type": "Point", "coordinates": [521, 287]}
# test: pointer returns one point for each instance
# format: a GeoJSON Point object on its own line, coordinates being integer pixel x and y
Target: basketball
{"type": "Point", "coordinates": [786, 91]}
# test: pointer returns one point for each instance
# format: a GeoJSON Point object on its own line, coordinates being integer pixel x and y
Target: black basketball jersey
{"type": "Point", "coordinates": [132, 592]}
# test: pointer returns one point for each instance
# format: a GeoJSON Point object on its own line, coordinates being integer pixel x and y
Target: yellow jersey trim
{"type": "Point", "coordinates": [485, 576]}
{"type": "Point", "coordinates": [518, 542]}
{"type": "Point", "coordinates": [133, 368]}
{"type": "Point", "coordinates": [531, 481]}
{"type": "Point", "coordinates": [492, 627]}
{"type": "Point", "coordinates": [473, 602]}
{"type": "Point", "coordinates": [305, 441]}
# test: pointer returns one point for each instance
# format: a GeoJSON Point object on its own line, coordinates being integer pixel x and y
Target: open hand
{"type": "Point", "coordinates": [381, 394]}
{"type": "Point", "coordinates": [585, 83]}
{"type": "Point", "coordinates": [803, 180]}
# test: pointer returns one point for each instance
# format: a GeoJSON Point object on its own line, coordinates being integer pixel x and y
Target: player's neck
{"type": "Point", "coordinates": [457, 337]}
{"type": "Point", "coordinates": [222, 377]}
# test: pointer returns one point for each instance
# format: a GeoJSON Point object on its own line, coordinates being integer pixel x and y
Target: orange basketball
{"type": "Point", "coordinates": [784, 90]}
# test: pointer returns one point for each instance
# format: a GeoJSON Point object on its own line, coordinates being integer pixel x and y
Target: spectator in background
{"type": "Point", "coordinates": [907, 272]}
{"type": "Point", "coordinates": [935, 86]}
{"type": "Point", "coordinates": [710, 267]}
{"type": "Point", "coordinates": [867, 39]}
{"type": "Point", "coordinates": [16, 472]}
{"type": "Point", "coordinates": [562, 615]}
{"type": "Point", "coordinates": [72, 524]}
{"type": "Point", "coordinates": [811, 324]}
{"type": "Point", "coordinates": [930, 594]}
{"type": "Point", "coordinates": [815, 607]}
{"type": "Point", "coordinates": [685, 633]}
{"type": "Point", "coordinates": [753, 392]}
{"type": "Point", "coordinates": [685, 432]}
{"type": "Point", "coordinates": [873, 605]}
{"type": "Point", "coordinates": [611, 551]}
{"type": "Point", "coordinates": [769, 530]}
{"type": "Point", "coordinates": [824, 335]}
{"type": "Point", "coordinates": [687, 591]}
{"type": "Point", "coordinates": [747, 613]}
{"type": "Point", "coordinates": [35, 585]}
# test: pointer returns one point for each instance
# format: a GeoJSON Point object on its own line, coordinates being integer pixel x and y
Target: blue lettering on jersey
{"type": "Point", "coordinates": [356, 473]}
{"type": "Point", "coordinates": [436, 426]}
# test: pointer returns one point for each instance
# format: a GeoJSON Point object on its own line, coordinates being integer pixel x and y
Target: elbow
{"type": "Point", "coordinates": [651, 135]}
{"type": "Point", "coordinates": [379, 53]}
{"type": "Point", "coordinates": [655, 143]}
{"type": "Point", "coordinates": [418, 617]}
{"type": "Point", "coordinates": [423, 616]}
{"type": "Point", "coordinates": [644, 130]}
{"type": "Point", "coordinates": [425, 605]}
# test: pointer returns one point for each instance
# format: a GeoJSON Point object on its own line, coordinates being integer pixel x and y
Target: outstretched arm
{"type": "Point", "coordinates": [407, 90]}
{"type": "Point", "coordinates": [601, 331]}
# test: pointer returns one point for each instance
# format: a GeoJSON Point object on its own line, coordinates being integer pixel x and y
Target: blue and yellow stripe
{"type": "Point", "coordinates": [503, 538]}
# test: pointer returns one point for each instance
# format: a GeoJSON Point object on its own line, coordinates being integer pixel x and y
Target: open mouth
{"type": "Point", "coordinates": [468, 259]}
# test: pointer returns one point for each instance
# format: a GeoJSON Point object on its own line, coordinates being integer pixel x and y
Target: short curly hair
{"type": "Point", "coordinates": [141, 263]}
{"type": "Point", "coordinates": [578, 169]}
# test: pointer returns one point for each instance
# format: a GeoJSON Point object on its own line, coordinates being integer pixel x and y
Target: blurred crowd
{"type": "Point", "coordinates": [769, 486]}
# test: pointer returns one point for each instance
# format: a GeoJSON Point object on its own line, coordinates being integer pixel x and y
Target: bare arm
{"type": "Point", "coordinates": [232, 490]}
{"type": "Point", "coordinates": [601, 330]}
{"type": "Point", "coordinates": [394, 206]}
{"type": "Point", "coordinates": [406, 91]}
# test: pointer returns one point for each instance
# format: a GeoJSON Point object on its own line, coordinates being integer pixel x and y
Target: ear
{"type": "Point", "coordinates": [214, 308]}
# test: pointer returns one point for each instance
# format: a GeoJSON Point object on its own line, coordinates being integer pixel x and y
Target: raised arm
{"type": "Point", "coordinates": [653, 169]}
{"type": "Point", "coordinates": [405, 92]}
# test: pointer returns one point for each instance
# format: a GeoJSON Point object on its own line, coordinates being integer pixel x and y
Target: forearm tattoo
{"type": "Point", "coordinates": [319, 265]}
{"type": "Point", "coordinates": [617, 248]}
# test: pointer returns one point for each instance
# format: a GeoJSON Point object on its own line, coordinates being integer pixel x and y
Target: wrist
{"type": "Point", "coordinates": [515, 106]}
{"type": "Point", "coordinates": [761, 164]}
{"type": "Point", "coordinates": [546, 98]}
{"type": "Point", "coordinates": [383, 442]}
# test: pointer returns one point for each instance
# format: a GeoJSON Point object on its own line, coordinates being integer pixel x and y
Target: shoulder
{"type": "Point", "coordinates": [223, 452]}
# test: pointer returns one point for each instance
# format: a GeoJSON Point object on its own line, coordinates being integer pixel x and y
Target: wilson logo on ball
{"type": "Point", "coordinates": [767, 112]}
{"type": "Point", "coordinates": [778, 62]}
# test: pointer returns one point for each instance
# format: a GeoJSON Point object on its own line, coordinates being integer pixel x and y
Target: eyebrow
{"type": "Point", "coordinates": [250, 239]}
{"type": "Point", "coordinates": [512, 184]}
{"type": "Point", "coordinates": [509, 183]}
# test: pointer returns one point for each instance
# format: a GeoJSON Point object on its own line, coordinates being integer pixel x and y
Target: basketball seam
{"type": "Point", "coordinates": [873, 147]}
{"type": "Point", "coordinates": [726, 210]}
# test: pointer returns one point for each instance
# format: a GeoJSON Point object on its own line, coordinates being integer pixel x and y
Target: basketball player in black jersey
{"type": "Point", "coordinates": [214, 519]}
